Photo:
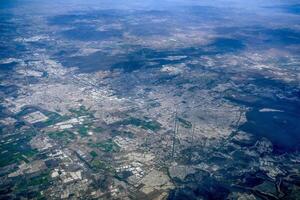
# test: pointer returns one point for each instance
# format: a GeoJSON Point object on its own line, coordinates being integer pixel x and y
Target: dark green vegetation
{"type": "Point", "coordinates": [27, 187]}
{"type": "Point", "coordinates": [82, 111]}
{"type": "Point", "coordinates": [93, 154]}
{"type": "Point", "coordinates": [122, 134]}
{"type": "Point", "coordinates": [143, 123]}
{"type": "Point", "coordinates": [40, 180]}
{"type": "Point", "coordinates": [100, 163]}
{"type": "Point", "coordinates": [107, 146]}
{"type": "Point", "coordinates": [53, 119]}
{"type": "Point", "coordinates": [99, 166]}
{"type": "Point", "coordinates": [16, 148]}
{"type": "Point", "coordinates": [83, 130]}
{"type": "Point", "coordinates": [62, 136]}
{"type": "Point", "coordinates": [184, 122]}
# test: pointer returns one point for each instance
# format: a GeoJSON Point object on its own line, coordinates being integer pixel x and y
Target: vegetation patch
{"type": "Point", "coordinates": [17, 149]}
{"type": "Point", "coordinates": [106, 146]}
{"type": "Point", "coordinates": [93, 154]}
{"type": "Point", "coordinates": [83, 130]}
{"type": "Point", "coordinates": [40, 181]}
{"type": "Point", "coordinates": [65, 136]}
{"type": "Point", "coordinates": [53, 118]}
{"type": "Point", "coordinates": [98, 130]}
{"type": "Point", "coordinates": [82, 111]}
{"type": "Point", "coordinates": [98, 165]}
{"type": "Point", "coordinates": [184, 122]}
{"type": "Point", "coordinates": [127, 134]}
{"type": "Point", "coordinates": [144, 124]}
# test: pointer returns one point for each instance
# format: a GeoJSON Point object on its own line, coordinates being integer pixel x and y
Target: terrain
{"type": "Point", "coordinates": [149, 100]}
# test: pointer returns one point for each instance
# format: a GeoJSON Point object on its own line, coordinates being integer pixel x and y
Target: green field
{"type": "Point", "coordinates": [106, 146]}
{"type": "Point", "coordinates": [144, 124]}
